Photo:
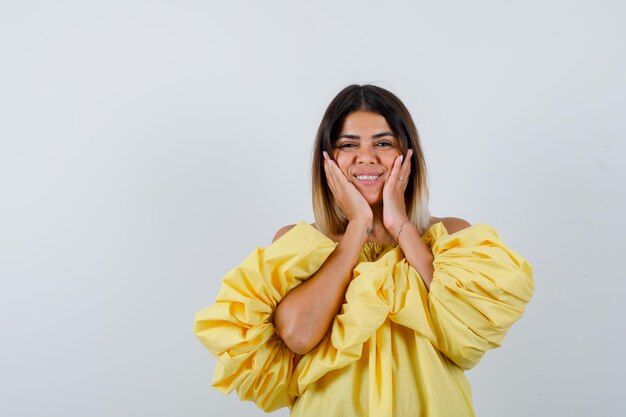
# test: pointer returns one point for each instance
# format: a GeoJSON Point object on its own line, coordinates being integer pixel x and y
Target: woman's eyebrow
{"type": "Point", "coordinates": [376, 136]}
{"type": "Point", "coordinates": [380, 135]}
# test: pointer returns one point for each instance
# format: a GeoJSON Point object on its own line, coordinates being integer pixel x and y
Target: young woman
{"type": "Point", "coordinates": [378, 308]}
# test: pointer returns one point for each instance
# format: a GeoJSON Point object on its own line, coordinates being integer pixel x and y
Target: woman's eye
{"type": "Point", "coordinates": [384, 144]}
{"type": "Point", "coordinates": [346, 145]}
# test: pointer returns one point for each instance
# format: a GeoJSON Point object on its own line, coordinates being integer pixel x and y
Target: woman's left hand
{"type": "Point", "coordinates": [394, 207]}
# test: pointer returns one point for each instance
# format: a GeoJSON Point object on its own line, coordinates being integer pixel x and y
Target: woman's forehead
{"type": "Point", "coordinates": [364, 122]}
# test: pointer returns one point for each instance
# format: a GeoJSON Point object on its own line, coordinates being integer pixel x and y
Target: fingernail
{"type": "Point", "coordinates": [401, 158]}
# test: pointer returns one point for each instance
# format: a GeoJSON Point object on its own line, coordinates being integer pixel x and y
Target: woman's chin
{"type": "Point", "coordinates": [373, 201]}
{"type": "Point", "coordinates": [372, 197]}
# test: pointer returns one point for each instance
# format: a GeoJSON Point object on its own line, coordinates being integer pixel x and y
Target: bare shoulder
{"type": "Point", "coordinates": [454, 224]}
{"type": "Point", "coordinates": [282, 231]}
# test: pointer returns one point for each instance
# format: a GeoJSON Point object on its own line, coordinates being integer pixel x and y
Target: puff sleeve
{"type": "Point", "coordinates": [365, 309]}
{"type": "Point", "coordinates": [480, 287]}
{"type": "Point", "coordinates": [238, 329]}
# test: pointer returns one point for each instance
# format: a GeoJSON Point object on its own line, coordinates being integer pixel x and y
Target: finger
{"type": "Point", "coordinates": [405, 171]}
{"type": "Point", "coordinates": [328, 173]}
{"type": "Point", "coordinates": [395, 170]}
{"type": "Point", "coordinates": [335, 177]}
{"type": "Point", "coordinates": [330, 177]}
{"type": "Point", "coordinates": [339, 177]}
{"type": "Point", "coordinates": [407, 159]}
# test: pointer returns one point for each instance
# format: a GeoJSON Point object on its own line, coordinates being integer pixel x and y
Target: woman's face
{"type": "Point", "coordinates": [365, 151]}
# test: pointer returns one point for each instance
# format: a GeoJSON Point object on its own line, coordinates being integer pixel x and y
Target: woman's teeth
{"type": "Point", "coordinates": [367, 177]}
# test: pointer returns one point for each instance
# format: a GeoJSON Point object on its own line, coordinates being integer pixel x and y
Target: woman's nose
{"type": "Point", "coordinates": [366, 155]}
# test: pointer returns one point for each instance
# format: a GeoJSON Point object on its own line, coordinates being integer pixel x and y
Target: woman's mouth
{"type": "Point", "coordinates": [367, 179]}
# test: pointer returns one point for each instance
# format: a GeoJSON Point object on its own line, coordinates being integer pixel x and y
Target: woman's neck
{"type": "Point", "coordinates": [379, 233]}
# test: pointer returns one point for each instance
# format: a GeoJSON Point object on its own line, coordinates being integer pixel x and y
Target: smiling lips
{"type": "Point", "coordinates": [367, 179]}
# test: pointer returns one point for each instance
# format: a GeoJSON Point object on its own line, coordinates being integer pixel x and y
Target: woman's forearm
{"type": "Point", "coordinates": [416, 252]}
{"type": "Point", "coordinates": [304, 316]}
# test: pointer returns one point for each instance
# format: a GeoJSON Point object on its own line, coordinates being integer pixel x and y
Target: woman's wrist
{"type": "Point", "coordinates": [398, 231]}
{"type": "Point", "coordinates": [396, 228]}
{"type": "Point", "coordinates": [362, 225]}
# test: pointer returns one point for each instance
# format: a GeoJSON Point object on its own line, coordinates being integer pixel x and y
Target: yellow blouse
{"type": "Point", "coordinates": [395, 348]}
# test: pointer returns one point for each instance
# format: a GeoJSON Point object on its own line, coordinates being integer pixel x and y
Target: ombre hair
{"type": "Point", "coordinates": [329, 218]}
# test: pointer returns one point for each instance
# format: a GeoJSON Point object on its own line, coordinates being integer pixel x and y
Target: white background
{"type": "Point", "coordinates": [147, 147]}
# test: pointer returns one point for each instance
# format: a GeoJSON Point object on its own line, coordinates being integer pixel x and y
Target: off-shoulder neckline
{"type": "Point", "coordinates": [429, 230]}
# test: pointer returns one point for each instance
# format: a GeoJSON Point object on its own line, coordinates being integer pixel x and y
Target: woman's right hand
{"type": "Point", "coordinates": [350, 201]}
{"type": "Point", "coordinates": [305, 315]}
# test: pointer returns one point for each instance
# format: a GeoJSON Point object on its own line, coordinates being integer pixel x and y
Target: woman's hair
{"type": "Point", "coordinates": [353, 98]}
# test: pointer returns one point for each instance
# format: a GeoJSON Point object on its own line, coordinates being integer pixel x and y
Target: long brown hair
{"type": "Point", "coordinates": [375, 99]}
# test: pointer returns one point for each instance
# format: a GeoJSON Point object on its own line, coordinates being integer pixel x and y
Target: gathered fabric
{"type": "Point", "coordinates": [394, 349]}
